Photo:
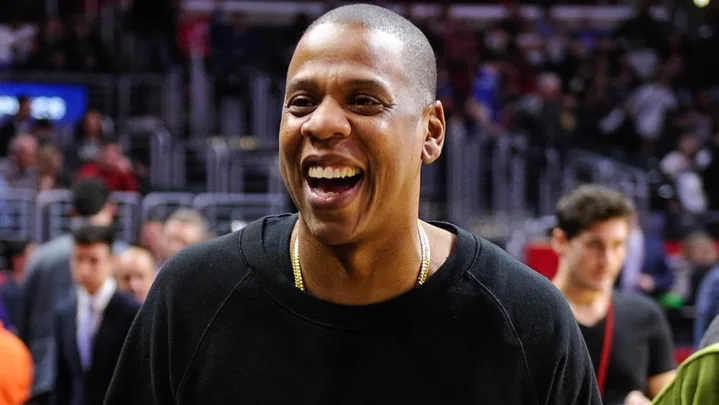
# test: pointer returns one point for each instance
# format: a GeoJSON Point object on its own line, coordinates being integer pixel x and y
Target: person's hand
{"type": "Point", "coordinates": [636, 398]}
{"type": "Point", "coordinates": [646, 283]}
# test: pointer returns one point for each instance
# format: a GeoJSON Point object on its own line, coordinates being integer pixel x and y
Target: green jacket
{"type": "Point", "coordinates": [697, 381]}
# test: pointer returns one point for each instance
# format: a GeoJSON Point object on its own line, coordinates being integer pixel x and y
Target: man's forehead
{"type": "Point", "coordinates": [329, 44]}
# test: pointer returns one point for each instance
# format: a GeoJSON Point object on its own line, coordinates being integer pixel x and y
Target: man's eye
{"type": "Point", "coordinates": [365, 101]}
{"type": "Point", "coordinates": [301, 102]}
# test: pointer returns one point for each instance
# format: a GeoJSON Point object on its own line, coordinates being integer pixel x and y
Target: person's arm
{"type": "Point", "coordinates": [661, 369]}
{"type": "Point", "coordinates": [707, 307]}
{"type": "Point", "coordinates": [712, 334]}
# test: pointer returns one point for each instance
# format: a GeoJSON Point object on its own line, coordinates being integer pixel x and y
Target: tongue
{"type": "Point", "coordinates": [336, 185]}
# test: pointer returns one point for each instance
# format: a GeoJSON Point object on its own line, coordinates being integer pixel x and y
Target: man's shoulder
{"type": "Point", "coordinates": [54, 249]}
{"type": "Point", "coordinates": [532, 306]}
{"type": "Point", "coordinates": [636, 303]}
{"type": "Point", "coordinates": [207, 267]}
{"type": "Point", "coordinates": [125, 301]}
{"type": "Point", "coordinates": [712, 277]}
{"type": "Point", "coordinates": [512, 283]}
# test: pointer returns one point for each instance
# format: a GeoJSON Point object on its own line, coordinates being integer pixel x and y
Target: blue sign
{"type": "Point", "coordinates": [62, 104]}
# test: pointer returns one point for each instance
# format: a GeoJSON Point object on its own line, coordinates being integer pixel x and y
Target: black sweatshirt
{"type": "Point", "coordinates": [224, 324]}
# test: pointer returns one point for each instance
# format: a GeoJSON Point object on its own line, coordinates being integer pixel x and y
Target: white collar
{"type": "Point", "coordinates": [100, 299]}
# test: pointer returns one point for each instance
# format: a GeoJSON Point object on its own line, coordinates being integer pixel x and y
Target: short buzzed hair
{"type": "Point", "coordinates": [419, 58]}
{"type": "Point", "coordinates": [588, 205]}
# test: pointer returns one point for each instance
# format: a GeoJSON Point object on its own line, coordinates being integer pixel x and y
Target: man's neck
{"type": "Point", "coordinates": [588, 305]}
{"type": "Point", "coordinates": [363, 273]}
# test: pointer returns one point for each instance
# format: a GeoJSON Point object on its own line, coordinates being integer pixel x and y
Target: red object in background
{"type": "Point", "coordinates": [115, 180]}
{"type": "Point", "coordinates": [541, 258]}
{"type": "Point", "coordinates": [192, 32]}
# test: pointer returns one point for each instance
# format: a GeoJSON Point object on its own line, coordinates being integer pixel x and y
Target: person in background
{"type": "Point", "coordinates": [16, 369]}
{"type": "Point", "coordinates": [707, 296]}
{"type": "Point", "coordinates": [20, 169]}
{"type": "Point", "coordinates": [112, 167]}
{"type": "Point", "coordinates": [18, 124]}
{"type": "Point", "coordinates": [627, 335]}
{"type": "Point", "coordinates": [17, 253]}
{"type": "Point", "coordinates": [44, 132]}
{"type": "Point", "coordinates": [51, 175]}
{"type": "Point", "coordinates": [135, 271]}
{"type": "Point", "coordinates": [87, 141]}
{"type": "Point", "coordinates": [697, 380]}
{"type": "Point", "coordinates": [185, 227]}
{"type": "Point", "coordinates": [91, 322]}
{"type": "Point", "coordinates": [48, 281]}
{"type": "Point", "coordinates": [151, 237]}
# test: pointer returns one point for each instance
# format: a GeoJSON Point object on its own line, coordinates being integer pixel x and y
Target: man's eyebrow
{"type": "Point", "coordinates": [311, 84]}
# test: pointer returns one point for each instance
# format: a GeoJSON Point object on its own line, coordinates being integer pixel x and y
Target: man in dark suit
{"type": "Point", "coordinates": [90, 326]}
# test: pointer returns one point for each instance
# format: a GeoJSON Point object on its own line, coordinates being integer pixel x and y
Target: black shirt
{"type": "Point", "coordinates": [224, 324]}
{"type": "Point", "coordinates": [641, 347]}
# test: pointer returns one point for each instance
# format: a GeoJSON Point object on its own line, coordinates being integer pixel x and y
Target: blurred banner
{"type": "Point", "coordinates": [61, 104]}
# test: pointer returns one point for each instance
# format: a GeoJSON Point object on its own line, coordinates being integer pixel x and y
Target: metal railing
{"type": "Point", "coordinates": [48, 214]}
{"type": "Point", "coordinates": [587, 167]}
{"type": "Point", "coordinates": [151, 142]}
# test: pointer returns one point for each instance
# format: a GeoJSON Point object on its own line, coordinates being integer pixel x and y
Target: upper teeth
{"type": "Point", "coordinates": [318, 172]}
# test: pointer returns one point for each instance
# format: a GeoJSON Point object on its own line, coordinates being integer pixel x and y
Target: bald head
{"type": "Point", "coordinates": [135, 271]}
{"type": "Point", "coordinates": [420, 63]}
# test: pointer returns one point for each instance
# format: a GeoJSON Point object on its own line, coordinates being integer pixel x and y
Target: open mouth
{"type": "Point", "coordinates": [331, 181]}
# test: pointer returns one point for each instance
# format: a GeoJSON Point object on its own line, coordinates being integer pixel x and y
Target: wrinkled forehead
{"type": "Point", "coordinates": [348, 51]}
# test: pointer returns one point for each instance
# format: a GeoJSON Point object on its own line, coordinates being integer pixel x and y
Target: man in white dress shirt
{"type": "Point", "coordinates": [90, 326]}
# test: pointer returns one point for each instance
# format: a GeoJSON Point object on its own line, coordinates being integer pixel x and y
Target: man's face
{"type": "Point", "coordinates": [349, 114]}
{"type": "Point", "coordinates": [26, 154]}
{"type": "Point", "coordinates": [596, 255]}
{"type": "Point", "coordinates": [151, 237]}
{"type": "Point", "coordinates": [179, 235]}
{"type": "Point", "coordinates": [91, 265]}
{"type": "Point", "coordinates": [134, 274]}
{"type": "Point", "coordinates": [701, 254]}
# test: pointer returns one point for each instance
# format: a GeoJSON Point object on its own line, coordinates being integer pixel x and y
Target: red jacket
{"type": "Point", "coordinates": [115, 180]}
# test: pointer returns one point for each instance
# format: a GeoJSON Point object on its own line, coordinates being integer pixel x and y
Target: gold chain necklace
{"type": "Point", "coordinates": [421, 278]}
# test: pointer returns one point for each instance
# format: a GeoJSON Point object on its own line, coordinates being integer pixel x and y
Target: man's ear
{"type": "Point", "coordinates": [434, 135]}
{"type": "Point", "coordinates": [559, 241]}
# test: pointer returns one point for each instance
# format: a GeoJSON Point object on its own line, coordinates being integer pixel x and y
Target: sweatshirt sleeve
{"type": "Point", "coordinates": [574, 381]}
{"type": "Point", "coordinates": [161, 344]}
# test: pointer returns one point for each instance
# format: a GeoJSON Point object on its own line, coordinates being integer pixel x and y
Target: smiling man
{"type": "Point", "coordinates": [627, 335]}
{"type": "Point", "coordinates": [354, 300]}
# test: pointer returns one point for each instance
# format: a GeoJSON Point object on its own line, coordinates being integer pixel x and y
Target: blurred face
{"type": "Point", "coordinates": [151, 237]}
{"type": "Point", "coordinates": [91, 266]}
{"type": "Point", "coordinates": [111, 155]}
{"type": "Point", "coordinates": [702, 253]}
{"type": "Point", "coordinates": [179, 235]}
{"type": "Point", "coordinates": [595, 256]}
{"type": "Point", "coordinates": [352, 134]}
{"type": "Point", "coordinates": [93, 123]}
{"type": "Point", "coordinates": [689, 145]}
{"type": "Point", "coordinates": [134, 274]}
{"type": "Point", "coordinates": [25, 154]}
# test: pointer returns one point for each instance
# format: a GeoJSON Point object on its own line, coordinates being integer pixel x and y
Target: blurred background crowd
{"type": "Point", "coordinates": [174, 106]}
